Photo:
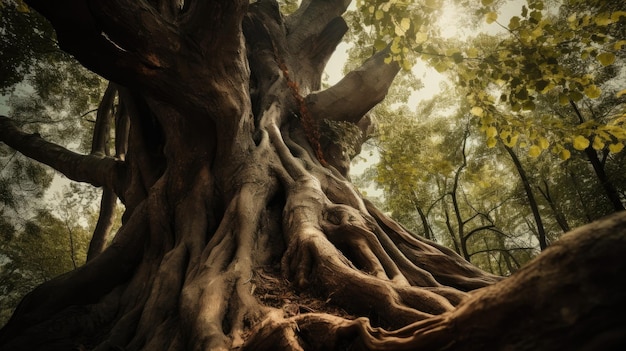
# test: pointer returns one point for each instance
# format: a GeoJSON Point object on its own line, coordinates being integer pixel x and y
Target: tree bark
{"type": "Point", "coordinates": [532, 202]}
{"type": "Point", "coordinates": [236, 235]}
{"type": "Point", "coordinates": [611, 192]}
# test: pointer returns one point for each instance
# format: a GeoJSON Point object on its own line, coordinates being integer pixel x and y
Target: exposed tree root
{"type": "Point", "coordinates": [558, 293]}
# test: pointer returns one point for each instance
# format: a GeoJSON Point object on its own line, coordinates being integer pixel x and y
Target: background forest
{"type": "Point", "coordinates": [519, 139]}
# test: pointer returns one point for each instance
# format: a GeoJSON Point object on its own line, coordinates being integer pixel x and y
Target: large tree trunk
{"type": "Point", "coordinates": [242, 231]}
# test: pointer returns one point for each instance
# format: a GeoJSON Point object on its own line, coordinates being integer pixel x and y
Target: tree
{"type": "Point", "coordinates": [241, 231]}
{"type": "Point", "coordinates": [46, 247]}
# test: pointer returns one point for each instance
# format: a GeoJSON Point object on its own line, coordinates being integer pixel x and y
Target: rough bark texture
{"type": "Point", "coordinates": [239, 234]}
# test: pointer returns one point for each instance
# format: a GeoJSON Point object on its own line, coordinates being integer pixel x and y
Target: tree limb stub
{"type": "Point", "coordinates": [92, 169]}
{"type": "Point", "coordinates": [311, 18]}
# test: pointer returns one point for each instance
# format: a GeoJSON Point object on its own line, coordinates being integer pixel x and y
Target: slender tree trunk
{"type": "Point", "coordinates": [543, 244]}
{"type": "Point", "coordinates": [428, 232]}
{"type": "Point", "coordinates": [560, 218]}
{"type": "Point", "coordinates": [598, 167]}
{"type": "Point", "coordinates": [583, 203]}
{"type": "Point", "coordinates": [610, 190]}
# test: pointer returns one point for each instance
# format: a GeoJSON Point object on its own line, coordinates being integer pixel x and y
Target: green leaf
{"type": "Point", "coordinates": [528, 106]}
{"type": "Point", "coordinates": [491, 17]}
{"type": "Point", "coordinates": [542, 84]}
{"type": "Point", "coordinates": [379, 44]}
{"type": "Point", "coordinates": [514, 23]}
{"type": "Point", "coordinates": [575, 95]}
{"type": "Point", "coordinates": [593, 92]}
{"type": "Point", "coordinates": [606, 58]}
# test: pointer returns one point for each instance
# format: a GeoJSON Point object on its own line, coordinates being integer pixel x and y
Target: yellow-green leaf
{"type": "Point", "coordinates": [598, 144]}
{"type": "Point", "coordinates": [528, 106]}
{"type": "Point", "coordinates": [472, 52]}
{"type": "Point", "coordinates": [565, 154]}
{"type": "Point", "coordinates": [491, 142]}
{"type": "Point", "coordinates": [441, 67]}
{"type": "Point", "coordinates": [395, 46]}
{"type": "Point", "coordinates": [543, 143]}
{"type": "Point", "coordinates": [491, 132]}
{"type": "Point", "coordinates": [580, 142]}
{"type": "Point", "coordinates": [606, 58]}
{"type": "Point", "coordinates": [491, 17]}
{"type": "Point", "coordinates": [511, 141]}
{"type": "Point", "coordinates": [603, 19]}
{"type": "Point", "coordinates": [593, 92]}
{"type": "Point", "coordinates": [407, 65]}
{"type": "Point", "coordinates": [620, 93]}
{"type": "Point", "coordinates": [379, 44]}
{"type": "Point", "coordinates": [615, 16]}
{"type": "Point", "coordinates": [534, 151]}
{"type": "Point", "coordinates": [403, 26]}
{"type": "Point", "coordinates": [615, 148]}
{"type": "Point", "coordinates": [421, 37]}
{"type": "Point", "coordinates": [477, 111]}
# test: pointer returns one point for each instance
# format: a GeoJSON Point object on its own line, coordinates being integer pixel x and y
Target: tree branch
{"type": "Point", "coordinates": [358, 92]}
{"type": "Point", "coordinates": [311, 17]}
{"type": "Point", "coordinates": [88, 31]}
{"type": "Point", "coordinates": [213, 24]}
{"type": "Point", "coordinates": [96, 170]}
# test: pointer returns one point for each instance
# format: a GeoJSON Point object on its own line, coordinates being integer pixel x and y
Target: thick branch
{"type": "Point", "coordinates": [212, 24]}
{"type": "Point", "coordinates": [311, 18]}
{"type": "Point", "coordinates": [356, 93]}
{"type": "Point", "coordinates": [96, 170]}
{"type": "Point", "coordinates": [83, 35]}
